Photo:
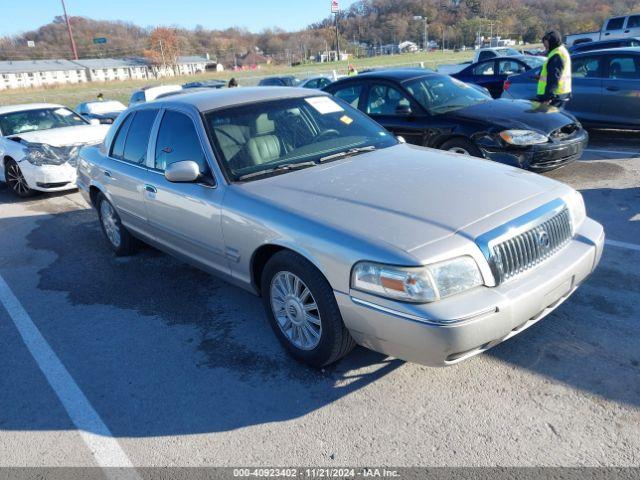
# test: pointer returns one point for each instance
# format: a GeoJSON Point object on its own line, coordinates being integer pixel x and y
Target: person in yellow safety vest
{"type": "Point", "coordinates": [351, 70]}
{"type": "Point", "coordinates": [554, 86]}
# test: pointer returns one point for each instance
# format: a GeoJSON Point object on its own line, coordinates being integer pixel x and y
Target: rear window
{"type": "Point", "coordinates": [616, 23]}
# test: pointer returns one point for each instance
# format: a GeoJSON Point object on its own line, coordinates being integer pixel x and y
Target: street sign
{"type": "Point", "coordinates": [335, 7]}
{"type": "Point", "coordinates": [99, 40]}
{"type": "Point", "coordinates": [31, 43]}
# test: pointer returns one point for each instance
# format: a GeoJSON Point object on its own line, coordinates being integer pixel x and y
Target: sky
{"type": "Point", "coordinates": [24, 15]}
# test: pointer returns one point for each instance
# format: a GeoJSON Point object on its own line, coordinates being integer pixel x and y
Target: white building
{"type": "Point", "coordinates": [109, 69]}
{"type": "Point", "coordinates": [38, 73]}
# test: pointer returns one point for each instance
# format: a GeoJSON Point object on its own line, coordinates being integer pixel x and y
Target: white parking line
{"type": "Point", "coordinates": [104, 448]}
{"type": "Point", "coordinates": [628, 246]}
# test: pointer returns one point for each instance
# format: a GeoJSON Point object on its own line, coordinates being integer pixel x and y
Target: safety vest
{"type": "Point", "coordinates": [564, 85]}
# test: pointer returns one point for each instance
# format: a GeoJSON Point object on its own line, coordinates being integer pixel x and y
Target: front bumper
{"type": "Point", "coordinates": [457, 328]}
{"type": "Point", "coordinates": [540, 158]}
{"type": "Point", "coordinates": [49, 178]}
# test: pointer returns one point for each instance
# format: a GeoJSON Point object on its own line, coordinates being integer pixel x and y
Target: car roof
{"type": "Point", "coordinates": [28, 106]}
{"type": "Point", "coordinates": [213, 99]}
{"type": "Point", "coordinates": [604, 42]}
{"type": "Point", "coordinates": [610, 50]}
{"type": "Point", "coordinates": [397, 74]}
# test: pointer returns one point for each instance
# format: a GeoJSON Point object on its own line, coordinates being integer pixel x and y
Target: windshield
{"type": "Point", "coordinates": [533, 62]}
{"type": "Point", "coordinates": [38, 119]}
{"type": "Point", "coordinates": [442, 94]}
{"type": "Point", "coordinates": [276, 136]}
{"type": "Point", "coordinates": [105, 107]}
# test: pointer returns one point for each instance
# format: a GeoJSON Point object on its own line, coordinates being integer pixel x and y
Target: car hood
{"type": "Point", "coordinates": [516, 114]}
{"type": "Point", "coordinates": [404, 196]}
{"type": "Point", "coordinates": [60, 137]}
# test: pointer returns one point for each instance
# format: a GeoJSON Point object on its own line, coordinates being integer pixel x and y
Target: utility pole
{"type": "Point", "coordinates": [71, 40]}
{"type": "Point", "coordinates": [337, 40]}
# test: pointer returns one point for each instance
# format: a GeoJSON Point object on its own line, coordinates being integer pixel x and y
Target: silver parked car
{"type": "Point", "coordinates": [349, 235]}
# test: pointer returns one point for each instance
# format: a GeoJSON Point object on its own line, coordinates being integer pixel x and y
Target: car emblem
{"type": "Point", "coordinates": [543, 239]}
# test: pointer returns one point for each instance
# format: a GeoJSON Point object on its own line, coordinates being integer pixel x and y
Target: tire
{"type": "Point", "coordinates": [117, 236]}
{"type": "Point", "coordinates": [288, 313]}
{"type": "Point", "coordinates": [461, 146]}
{"type": "Point", "coordinates": [16, 181]}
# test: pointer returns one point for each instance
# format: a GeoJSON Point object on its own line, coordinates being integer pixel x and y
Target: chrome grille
{"type": "Point", "coordinates": [522, 252]}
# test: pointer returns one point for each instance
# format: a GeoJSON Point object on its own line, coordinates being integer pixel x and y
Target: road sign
{"type": "Point", "coordinates": [335, 7]}
{"type": "Point", "coordinates": [98, 40]}
{"type": "Point", "coordinates": [31, 43]}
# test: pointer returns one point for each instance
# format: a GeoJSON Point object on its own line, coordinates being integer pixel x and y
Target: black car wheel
{"type": "Point", "coordinates": [461, 146]}
{"type": "Point", "coordinates": [302, 310]}
{"type": "Point", "coordinates": [16, 181]}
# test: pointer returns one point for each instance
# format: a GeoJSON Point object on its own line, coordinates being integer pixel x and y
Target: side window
{"type": "Point", "coordinates": [616, 23]}
{"type": "Point", "coordinates": [350, 94]}
{"type": "Point", "coordinates": [135, 148]}
{"type": "Point", "coordinates": [137, 97]}
{"type": "Point", "coordinates": [634, 21]}
{"type": "Point", "coordinates": [509, 67]}
{"type": "Point", "coordinates": [486, 68]}
{"type": "Point", "coordinates": [312, 84]}
{"type": "Point", "coordinates": [323, 82]}
{"type": "Point", "coordinates": [178, 141]}
{"type": "Point", "coordinates": [624, 67]}
{"type": "Point", "coordinates": [117, 148]}
{"type": "Point", "coordinates": [386, 100]}
{"type": "Point", "coordinates": [586, 67]}
{"type": "Point", "coordinates": [486, 55]}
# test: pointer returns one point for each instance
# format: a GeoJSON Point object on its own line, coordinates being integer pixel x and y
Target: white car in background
{"type": "Point", "coordinates": [146, 94]}
{"type": "Point", "coordinates": [39, 145]}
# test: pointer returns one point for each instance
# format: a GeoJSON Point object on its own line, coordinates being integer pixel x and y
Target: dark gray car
{"type": "Point", "coordinates": [606, 88]}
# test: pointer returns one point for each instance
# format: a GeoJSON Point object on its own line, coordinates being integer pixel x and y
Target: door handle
{"type": "Point", "coordinates": [150, 188]}
{"type": "Point", "coordinates": [613, 89]}
{"type": "Point", "coordinates": [626, 31]}
{"type": "Point", "coordinates": [107, 173]}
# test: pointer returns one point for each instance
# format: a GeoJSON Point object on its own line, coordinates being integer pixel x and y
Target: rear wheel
{"type": "Point", "coordinates": [118, 237]}
{"type": "Point", "coordinates": [461, 146]}
{"type": "Point", "coordinates": [16, 181]}
{"type": "Point", "coordinates": [303, 311]}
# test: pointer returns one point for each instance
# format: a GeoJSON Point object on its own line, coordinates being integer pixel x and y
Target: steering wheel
{"type": "Point", "coordinates": [332, 132]}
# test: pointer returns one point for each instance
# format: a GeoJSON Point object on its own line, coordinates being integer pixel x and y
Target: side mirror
{"type": "Point", "coordinates": [400, 139]}
{"type": "Point", "coordinates": [402, 109]}
{"type": "Point", "coordinates": [94, 121]}
{"type": "Point", "coordinates": [185, 171]}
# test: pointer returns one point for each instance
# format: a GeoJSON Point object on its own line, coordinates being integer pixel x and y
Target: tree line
{"type": "Point", "coordinates": [366, 23]}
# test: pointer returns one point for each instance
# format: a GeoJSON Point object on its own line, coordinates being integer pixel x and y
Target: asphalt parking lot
{"type": "Point", "coordinates": [149, 361]}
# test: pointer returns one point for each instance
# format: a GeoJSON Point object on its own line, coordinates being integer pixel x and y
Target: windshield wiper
{"type": "Point", "coordinates": [347, 153]}
{"type": "Point", "coordinates": [283, 167]}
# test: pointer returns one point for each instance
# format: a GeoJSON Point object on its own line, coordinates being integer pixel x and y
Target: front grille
{"type": "Point", "coordinates": [524, 251]}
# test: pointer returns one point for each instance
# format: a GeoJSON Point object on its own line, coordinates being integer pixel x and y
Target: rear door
{"type": "Point", "coordinates": [185, 217]}
{"type": "Point", "coordinates": [586, 98]}
{"type": "Point", "coordinates": [485, 74]}
{"type": "Point", "coordinates": [395, 110]}
{"type": "Point", "coordinates": [621, 92]}
{"type": "Point", "coordinates": [125, 173]}
{"type": "Point", "coordinates": [614, 28]}
{"type": "Point", "coordinates": [633, 26]}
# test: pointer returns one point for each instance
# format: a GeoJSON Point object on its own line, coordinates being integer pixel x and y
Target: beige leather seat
{"type": "Point", "coordinates": [264, 146]}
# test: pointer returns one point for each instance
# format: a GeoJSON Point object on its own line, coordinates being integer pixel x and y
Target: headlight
{"type": "Point", "coordinates": [42, 154]}
{"type": "Point", "coordinates": [36, 156]}
{"type": "Point", "coordinates": [577, 210]}
{"type": "Point", "coordinates": [417, 284]}
{"type": "Point", "coordinates": [523, 137]}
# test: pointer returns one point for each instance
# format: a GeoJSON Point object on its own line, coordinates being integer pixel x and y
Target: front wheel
{"type": "Point", "coordinates": [303, 311]}
{"type": "Point", "coordinates": [118, 237]}
{"type": "Point", "coordinates": [461, 146]}
{"type": "Point", "coordinates": [16, 181]}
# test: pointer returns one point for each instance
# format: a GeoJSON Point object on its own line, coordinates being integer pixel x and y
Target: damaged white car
{"type": "Point", "coordinates": [39, 145]}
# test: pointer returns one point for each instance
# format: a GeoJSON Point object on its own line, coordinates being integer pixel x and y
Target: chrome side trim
{"type": "Point", "coordinates": [419, 319]}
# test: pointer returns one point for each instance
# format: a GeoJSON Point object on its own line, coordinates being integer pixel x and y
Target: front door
{"type": "Point", "coordinates": [621, 89]}
{"type": "Point", "coordinates": [586, 96]}
{"type": "Point", "coordinates": [393, 109]}
{"type": "Point", "coordinates": [185, 217]}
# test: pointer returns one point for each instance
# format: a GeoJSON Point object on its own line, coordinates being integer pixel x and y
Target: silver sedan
{"type": "Point", "coordinates": [349, 235]}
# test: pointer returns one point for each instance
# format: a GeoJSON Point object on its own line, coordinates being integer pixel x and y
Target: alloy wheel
{"type": "Point", "coordinates": [16, 180]}
{"type": "Point", "coordinates": [295, 310]}
{"type": "Point", "coordinates": [110, 223]}
{"type": "Point", "coordinates": [459, 150]}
